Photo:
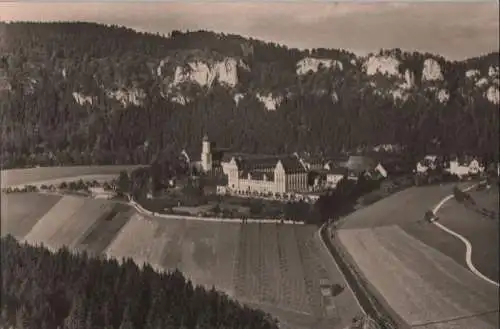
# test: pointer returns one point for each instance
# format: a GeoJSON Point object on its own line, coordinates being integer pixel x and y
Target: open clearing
{"type": "Point", "coordinates": [416, 269]}
{"type": "Point", "coordinates": [32, 175]}
{"type": "Point", "coordinates": [20, 212]}
{"type": "Point", "coordinates": [46, 229]}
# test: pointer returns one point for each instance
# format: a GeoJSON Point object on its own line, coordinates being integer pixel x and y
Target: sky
{"type": "Point", "coordinates": [455, 30]}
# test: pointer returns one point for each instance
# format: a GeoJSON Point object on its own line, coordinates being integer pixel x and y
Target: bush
{"type": "Point", "coordinates": [370, 198]}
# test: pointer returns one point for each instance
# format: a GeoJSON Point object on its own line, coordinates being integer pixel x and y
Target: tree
{"type": "Point", "coordinates": [256, 207]}
{"type": "Point", "coordinates": [124, 185]}
{"type": "Point", "coordinates": [127, 319]}
{"type": "Point", "coordinates": [217, 209]}
{"type": "Point", "coordinates": [76, 318]}
{"type": "Point", "coordinates": [22, 317]}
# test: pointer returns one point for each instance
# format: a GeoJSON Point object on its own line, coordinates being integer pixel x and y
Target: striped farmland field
{"type": "Point", "coordinates": [32, 175]}
{"type": "Point", "coordinates": [269, 266]}
{"type": "Point", "coordinates": [138, 240]}
{"type": "Point", "coordinates": [75, 228]}
{"type": "Point", "coordinates": [199, 256]}
{"type": "Point", "coordinates": [296, 297]}
{"type": "Point", "coordinates": [421, 285]}
{"type": "Point", "coordinates": [226, 251]}
{"type": "Point", "coordinates": [106, 228]}
{"type": "Point", "coordinates": [45, 230]}
{"type": "Point", "coordinates": [20, 212]}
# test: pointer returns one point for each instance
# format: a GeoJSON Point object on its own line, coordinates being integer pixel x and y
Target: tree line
{"type": "Point", "coordinates": [64, 290]}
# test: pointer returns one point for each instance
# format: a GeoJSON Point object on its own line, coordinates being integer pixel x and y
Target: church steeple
{"type": "Point", "coordinates": [206, 154]}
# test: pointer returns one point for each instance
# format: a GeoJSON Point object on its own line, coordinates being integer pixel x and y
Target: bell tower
{"type": "Point", "coordinates": [206, 154]}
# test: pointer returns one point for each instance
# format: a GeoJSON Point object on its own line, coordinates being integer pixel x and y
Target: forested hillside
{"type": "Point", "coordinates": [84, 93]}
{"type": "Point", "coordinates": [63, 290]}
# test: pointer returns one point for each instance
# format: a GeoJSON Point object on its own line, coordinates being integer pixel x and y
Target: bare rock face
{"type": "Point", "coordinates": [310, 64]}
{"type": "Point", "coordinates": [482, 82]}
{"type": "Point", "coordinates": [493, 72]}
{"type": "Point", "coordinates": [443, 95]}
{"type": "Point", "coordinates": [238, 97]}
{"type": "Point", "coordinates": [472, 74]}
{"type": "Point", "coordinates": [270, 102]}
{"type": "Point", "coordinates": [384, 65]}
{"type": "Point", "coordinates": [83, 99]}
{"type": "Point", "coordinates": [493, 94]}
{"type": "Point", "coordinates": [432, 71]}
{"type": "Point", "coordinates": [128, 97]}
{"type": "Point", "coordinates": [409, 79]}
{"type": "Point", "coordinates": [225, 72]}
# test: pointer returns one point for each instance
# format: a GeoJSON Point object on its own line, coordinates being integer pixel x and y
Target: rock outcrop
{"type": "Point", "coordinates": [432, 70]}
{"type": "Point", "coordinates": [310, 64]}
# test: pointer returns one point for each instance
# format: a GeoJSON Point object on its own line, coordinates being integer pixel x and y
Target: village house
{"type": "Point", "coordinates": [334, 175]}
{"type": "Point", "coordinates": [429, 162]}
{"type": "Point", "coordinates": [465, 166]}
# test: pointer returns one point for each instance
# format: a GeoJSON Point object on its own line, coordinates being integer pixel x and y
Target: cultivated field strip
{"type": "Point", "coordinates": [198, 252]}
{"type": "Point", "coordinates": [486, 321]}
{"type": "Point", "coordinates": [137, 241]}
{"type": "Point", "coordinates": [173, 233]}
{"type": "Point", "coordinates": [405, 283]}
{"type": "Point", "coordinates": [241, 277]}
{"type": "Point", "coordinates": [253, 259]}
{"type": "Point", "coordinates": [76, 226]}
{"type": "Point", "coordinates": [105, 230]}
{"type": "Point", "coordinates": [312, 268]}
{"type": "Point", "coordinates": [346, 304]}
{"type": "Point", "coordinates": [461, 291]}
{"type": "Point", "coordinates": [295, 272]}
{"type": "Point", "coordinates": [43, 231]}
{"type": "Point", "coordinates": [20, 212]}
{"type": "Point", "coordinates": [285, 297]}
{"type": "Point", "coordinates": [270, 275]}
{"type": "Point", "coordinates": [32, 175]}
{"type": "Point", "coordinates": [401, 288]}
{"type": "Point", "coordinates": [228, 235]}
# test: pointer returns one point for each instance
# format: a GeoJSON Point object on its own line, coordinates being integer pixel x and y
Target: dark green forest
{"type": "Point", "coordinates": [42, 290]}
{"type": "Point", "coordinates": [42, 64]}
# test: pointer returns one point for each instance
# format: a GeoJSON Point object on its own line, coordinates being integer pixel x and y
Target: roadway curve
{"type": "Point", "coordinates": [467, 243]}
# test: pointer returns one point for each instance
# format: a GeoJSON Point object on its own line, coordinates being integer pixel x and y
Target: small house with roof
{"type": "Point", "coordinates": [429, 162]}
{"type": "Point", "coordinates": [465, 165]}
{"type": "Point", "coordinates": [334, 176]}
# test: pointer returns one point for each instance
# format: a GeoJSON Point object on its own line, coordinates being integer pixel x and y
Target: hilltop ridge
{"type": "Point", "coordinates": [70, 92]}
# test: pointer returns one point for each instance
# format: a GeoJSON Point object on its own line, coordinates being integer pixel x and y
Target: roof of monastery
{"type": "Point", "coordinates": [257, 175]}
{"type": "Point", "coordinates": [266, 164]}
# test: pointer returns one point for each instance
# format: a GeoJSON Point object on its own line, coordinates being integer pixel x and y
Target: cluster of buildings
{"type": "Point", "coordinates": [460, 166]}
{"type": "Point", "coordinates": [281, 176]}
{"type": "Point", "coordinates": [304, 176]}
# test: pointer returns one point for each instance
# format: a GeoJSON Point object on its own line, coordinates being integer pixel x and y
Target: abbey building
{"type": "Point", "coordinates": [250, 173]}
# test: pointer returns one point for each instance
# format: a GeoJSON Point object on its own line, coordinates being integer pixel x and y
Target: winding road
{"type": "Point", "coordinates": [468, 244]}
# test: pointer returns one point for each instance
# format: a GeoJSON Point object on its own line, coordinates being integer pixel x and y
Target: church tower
{"type": "Point", "coordinates": [206, 154]}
